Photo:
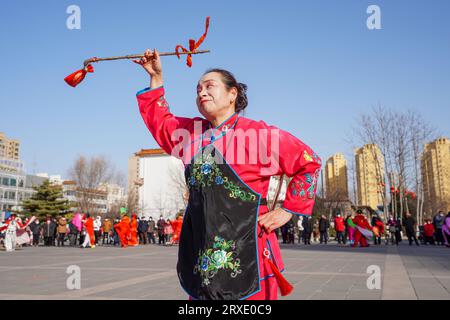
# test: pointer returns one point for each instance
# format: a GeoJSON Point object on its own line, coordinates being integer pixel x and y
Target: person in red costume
{"type": "Point", "coordinates": [133, 231]}
{"type": "Point", "coordinates": [176, 226]}
{"type": "Point", "coordinates": [339, 226]}
{"type": "Point", "coordinates": [228, 249]}
{"type": "Point", "coordinates": [123, 230]}
{"type": "Point", "coordinates": [428, 232]}
{"type": "Point", "coordinates": [88, 224]}
{"type": "Point", "coordinates": [378, 229]}
{"type": "Point", "coordinates": [363, 229]}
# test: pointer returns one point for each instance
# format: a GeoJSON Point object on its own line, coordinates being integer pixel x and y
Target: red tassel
{"type": "Point", "coordinates": [285, 287]}
{"type": "Point", "coordinates": [75, 78]}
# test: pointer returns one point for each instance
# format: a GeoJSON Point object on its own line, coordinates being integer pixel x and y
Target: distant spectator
{"type": "Point", "coordinates": [116, 239]}
{"type": "Point", "coordinates": [392, 228]}
{"type": "Point", "coordinates": [73, 233]}
{"type": "Point", "coordinates": [315, 231]}
{"type": "Point", "coordinates": [62, 231]}
{"type": "Point", "coordinates": [284, 233]}
{"type": "Point", "coordinates": [55, 234]}
{"type": "Point", "coordinates": [339, 227]}
{"type": "Point", "coordinates": [428, 232]}
{"type": "Point", "coordinates": [35, 228]}
{"type": "Point", "coordinates": [350, 229]}
{"type": "Point", "coordinates": [151, 231]}
{"type": "Point", "coordinates": [290, 231]}
{"type": "Point", "coordinates": [324, 224]}
{"type": "Point", "coordinates": [378, 228]}
{"type": "Point", "coordinates": [410, 227]}
{"type": "Point", "coordinates": [168, 231]}
{"type": "Point", "coordinates": [307, 229]}
{"type": "Point", "coordinates": [438, 222]}
{"type": "Point", "coordinates": [48, 231]}
{"type": "Point", "coordinates": [107, 231]}
{"type": "Point", "coordinates": [300, 228]}
{"type": "Point", "coordinates": [160, 225]}
{"type": "Point", "coordinates": [97, 229]}
{"type": "Point", "coordinates": [446, 230]}
{"type": "Point", "coordinates": [142, 230]}
{"type": "Point", "coordinates": [398, 231]}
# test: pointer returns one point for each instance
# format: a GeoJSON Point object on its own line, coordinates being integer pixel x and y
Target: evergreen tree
{"type": "Point", "coordinates": [48, 200]}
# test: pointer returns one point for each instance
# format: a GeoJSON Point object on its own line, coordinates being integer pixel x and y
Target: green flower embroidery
{"type": "Point", "coordinates": [220, 257]}
{"type": "Point", "coordinates": [205, 172]}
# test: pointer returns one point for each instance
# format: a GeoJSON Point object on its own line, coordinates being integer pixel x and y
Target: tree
{"type": "Point", "coordinates": [319, 208]}
{"type": "Point", "coordinates": [48, 200]}
{"type": "Point", "coordinates": [400, 137]}
{"type": "Point", "coordinates": [88, 174]}
{"type": "Point", "coordinates": [421, 134]}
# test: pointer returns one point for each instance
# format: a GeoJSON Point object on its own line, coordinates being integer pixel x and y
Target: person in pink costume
{"type": "Point", "coordinates": [446, 230]}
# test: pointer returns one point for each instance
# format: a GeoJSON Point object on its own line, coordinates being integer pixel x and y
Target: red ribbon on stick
{"type": "Point", "coordinates": [75, 78]}
{"type": "Point", "coordinates": [193, 45]}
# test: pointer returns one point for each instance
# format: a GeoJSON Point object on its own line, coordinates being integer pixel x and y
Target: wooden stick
{"type": "Point", "coordinates": [134, 56]}
{"type": "Point", "coordinates": [277, 193]}
{"type": "Point", "coordinates": [275, 200]}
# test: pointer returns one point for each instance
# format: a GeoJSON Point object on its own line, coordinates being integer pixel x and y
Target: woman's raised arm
{"type": "Point", "coordinates": [154, 108]}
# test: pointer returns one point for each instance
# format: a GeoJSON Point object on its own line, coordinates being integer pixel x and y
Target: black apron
{"type": "Point", "coordinates": [217, 257]}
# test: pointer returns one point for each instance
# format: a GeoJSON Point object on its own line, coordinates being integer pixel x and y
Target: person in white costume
{"type": "Point", "coordinates": [10, 233]}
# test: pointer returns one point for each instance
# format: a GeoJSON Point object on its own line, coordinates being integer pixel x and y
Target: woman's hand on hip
{"type": "Point", "coordinates": [151, 62]}
{"type": "Point", "coordinates": [274, 219]}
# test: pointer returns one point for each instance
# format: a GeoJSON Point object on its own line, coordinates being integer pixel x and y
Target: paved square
{"type": "Point", "coordinates": [148, 272]}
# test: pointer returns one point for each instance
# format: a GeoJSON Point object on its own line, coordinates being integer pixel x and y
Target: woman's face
{"type": "Point", "coordinates": [213, 98]}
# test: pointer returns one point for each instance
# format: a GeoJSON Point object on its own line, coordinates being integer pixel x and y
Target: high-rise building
{"type": "Point", "coordinates": [369, 165]}
{"type": "Point", "coordinates": [436, 175]}
{"type": "Point", "coordinates": [336, 177]}
{"type": "Point", "coordinates": [9, 148]}
{"type": "Point", "coordinates": [9, 155]}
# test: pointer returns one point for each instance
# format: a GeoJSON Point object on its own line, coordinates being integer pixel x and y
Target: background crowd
{"type": "Point", "coordinates": [343, 230]}
{"type": "Point", "coordinates": [86, 231]}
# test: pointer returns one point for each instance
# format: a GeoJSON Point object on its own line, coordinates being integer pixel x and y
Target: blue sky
{"type": "Point", "coordinates": [311, 68]}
